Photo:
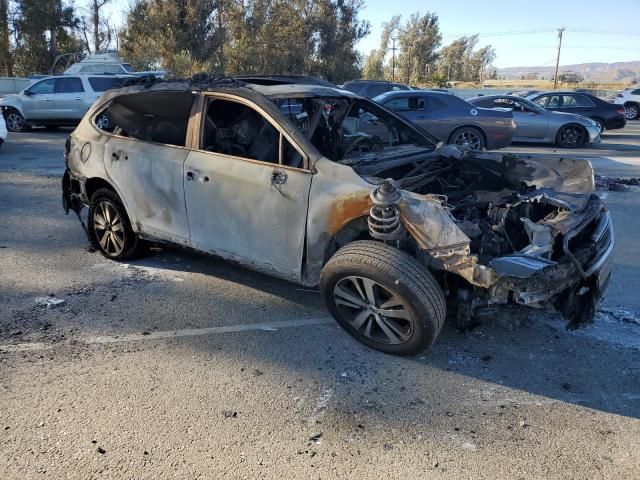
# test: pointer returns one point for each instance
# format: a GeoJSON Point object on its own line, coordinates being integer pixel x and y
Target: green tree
{"type": "Point", "coordinates": [375, 67]}
{"type": "Point", "coordinates": [419, 40]}
{"type": "Point", "coordinates": [44, 28]}
{"type": "Point", "coordinates": [6, 51]}
{"type": "Point", "coordinates": [459, 61]}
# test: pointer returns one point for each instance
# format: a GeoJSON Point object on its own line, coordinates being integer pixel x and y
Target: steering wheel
{"type": "Point", "coordinates": [355, 143]}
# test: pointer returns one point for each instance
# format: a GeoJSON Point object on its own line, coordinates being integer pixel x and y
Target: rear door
{"type": "Point", "coordinates": [247, 188]}
{"type": "Point", "coordinates": [578, 104]}
{"type": "Point", "coordinates": [68, 103]}
{"type": "Point", "coordinates": [439, 119]}
{"type": "Point", "coordinates": [37, 102]}
{"type": "Point", "coordinates": [145, 157]}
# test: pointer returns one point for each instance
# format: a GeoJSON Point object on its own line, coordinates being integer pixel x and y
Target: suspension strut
{"type": "Point", "coordinates": [384, 217]}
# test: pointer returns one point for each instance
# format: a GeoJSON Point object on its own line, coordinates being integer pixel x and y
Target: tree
{"type": "Point", "coordinates": [570, 77]}
{"type": "Point", "coordinates": [419, 40]}
{"type": "Point", "coordinates": [6, 51]}
{"type": "Point", "coordinates": [44, 28]}
{"type": "Point", "coordinates": [374, 64]}
{"type": "Point", "coordinates": [460, 61]}
{"type": "Point", "coordinates": [95, 25]}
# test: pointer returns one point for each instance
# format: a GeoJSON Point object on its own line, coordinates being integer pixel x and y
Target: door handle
{"type": "Point", "coordinates": [78, 98]}
{"type": "Point", "coordinates": [48, 99]}
{"type": "Point", "coordinates": [278, 177]}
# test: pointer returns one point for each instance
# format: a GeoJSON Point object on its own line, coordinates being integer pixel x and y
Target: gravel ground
{"type": "Point", "coordinates": [183, 366]}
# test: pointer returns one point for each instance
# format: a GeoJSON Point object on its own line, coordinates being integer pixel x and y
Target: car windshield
{"type": "Point", "coordinates": [353, 130]}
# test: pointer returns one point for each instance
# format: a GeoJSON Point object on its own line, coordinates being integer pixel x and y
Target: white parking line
{"type": "Point", "coordinates": [168, 334]}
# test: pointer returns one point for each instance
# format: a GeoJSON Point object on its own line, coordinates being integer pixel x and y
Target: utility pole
{"type": "Point", "coordinates": [393, 60]}
{"type": "Point", "coordinates": [410, 45]}
{"type": "Point", "coordinates": [555, 77]}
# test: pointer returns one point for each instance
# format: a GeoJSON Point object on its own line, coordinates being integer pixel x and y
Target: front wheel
{"type": "Point", "coordinates": [109, 227]}
{"type": "Point", "coordinates": [15, 121]}
{"type": "Point", "coordinates": [572, 136]}
{"type": "Point", "coordinates": [383, 297]}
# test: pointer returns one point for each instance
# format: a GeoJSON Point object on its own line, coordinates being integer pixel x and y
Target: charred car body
{"type": "Point", "coordinates": [322, 187]}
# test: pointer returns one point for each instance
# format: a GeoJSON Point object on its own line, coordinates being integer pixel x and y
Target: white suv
{"type": "Point", "coordinates": [630, 98]}
{"type": "Point", "coordinates": [55, 101]}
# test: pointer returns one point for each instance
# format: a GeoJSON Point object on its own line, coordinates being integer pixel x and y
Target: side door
{"type": "Point", "coordinates": [530, 124]}
{"type": "Point", "coordinates": [247, 188]}
{"type": "Point", "coordinates": [578, 104]}
{"type": "Point", "coordinates": [144, 157]}
{"type": "Point", "coordinates": [409, 107]}
{"type": "Point", "coordinates": [69, 99]}
{"type": "Point", "coordinates": [37, 100]}
{"type": "Point", "coordinates": [439, 120]}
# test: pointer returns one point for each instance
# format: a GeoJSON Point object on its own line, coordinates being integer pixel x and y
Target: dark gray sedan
{"type": "Point", "coordinates": [451, 119]}
{"type": "Point", "coordinates": [535, 124]}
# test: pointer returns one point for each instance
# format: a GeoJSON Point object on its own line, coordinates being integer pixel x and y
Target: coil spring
{"type": "Point", "coordinates": [384, 217]}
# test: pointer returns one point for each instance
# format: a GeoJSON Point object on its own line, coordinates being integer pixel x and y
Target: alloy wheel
{"type": "Point", "coordinates": [15, 122]}
{"type": "Point", "coordinates": [631, 112]}
{"type": "Point", "coordinates": [572, 136]}
{"type": "Point", "coordinates": [373, 310]}
{"type": "Point", "coordinates": [468, 139]}
{"type": "Point", "coordinates": [102, 122]}
{"type": "Point", "coordinates": [109, 229]}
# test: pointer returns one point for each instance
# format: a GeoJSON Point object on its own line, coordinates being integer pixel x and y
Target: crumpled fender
{"type": "Point", "coordinates": [12, 101]}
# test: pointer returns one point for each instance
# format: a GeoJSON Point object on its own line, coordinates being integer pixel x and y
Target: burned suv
{"type": "Point", "coordinates": [323, 187]}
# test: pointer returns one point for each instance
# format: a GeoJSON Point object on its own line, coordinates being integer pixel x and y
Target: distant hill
{"type": "Point", "coordinates": [597, 72]}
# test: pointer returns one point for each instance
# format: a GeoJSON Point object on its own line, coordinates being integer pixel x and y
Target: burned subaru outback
{"type": "Point", "coordinates": [322, 187]}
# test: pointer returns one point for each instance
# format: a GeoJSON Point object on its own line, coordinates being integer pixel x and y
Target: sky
{"type": "Point", "coordinates": [523, 33]}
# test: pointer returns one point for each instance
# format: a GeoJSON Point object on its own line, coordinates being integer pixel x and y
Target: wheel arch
{"type": "Point", "coordinates": [93, 184]}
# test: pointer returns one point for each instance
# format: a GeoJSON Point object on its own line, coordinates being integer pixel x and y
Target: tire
{"type": "Point", "coordinates": [600, 123]}
{"type": "Point", "coordinates": [109, 233]}
{"type": "Point", "coordinates": [51, 127]}
{"type": "Point", "coordinates": [15, 121]}
{"type": "Point", "coordinates": [631, 111]}
{"type": "Point", "coordinates": [469, 137]}
{"type": "Point", "coordinates": [572, 136]}
{"type": "Point", "coordinates": [365, 269]}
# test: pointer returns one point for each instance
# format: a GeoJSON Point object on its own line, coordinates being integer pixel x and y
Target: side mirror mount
{"type": "Point", "coordinates": [28, 93]}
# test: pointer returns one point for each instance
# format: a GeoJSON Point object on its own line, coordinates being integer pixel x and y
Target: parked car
{"type": "Point", "coordinates": [345, 195]}
{"type": "Point", "coordinates": [452, 119]}
{"type": "Point", "coordinates": [535, 124]}
{"type": "Point", "coordinates": [606, 115]}
{"type": "Point", "coordinates": [373, 88]}
{"type": "Point", "coordinates": [630, 99]}
{"type": "Point", "coordinates": [55, 101]}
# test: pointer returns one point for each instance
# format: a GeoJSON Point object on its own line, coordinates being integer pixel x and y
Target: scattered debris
{"type": "Point", "coordinates": [620, 315]}
{"type": "Point", "coordinates": [616, 184]}
{"type": "Point", "coordinates": [101, 450]}
{"type": "Point", "coordinates": [387, 447]}
{"type": "Point", "coordinates": [487, 358]}
{"type": "Point", "coordinates": [257, 372]}
{"type": "Point", "coordinates": [49, 302]}
{"type": "Point", "coordinates": [316, 438]}
{"type": "Point", "coordinates": [230, 414]}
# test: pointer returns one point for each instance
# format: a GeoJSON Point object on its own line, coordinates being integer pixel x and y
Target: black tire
{"type": "Point", "coordinates": [397, 278]}
{"type": "Point", "coordinates": [631, 111]}
{"type": "Point", "coordinates": [457, 137]}
{"type": "Point", "coordinates": [600, 122]}
{"type": "Point", "coordinates": [572, 136]}
{"type": "Point", "coordinates": [15, 121]}
{"type": "Point", "coordinates": [51, 127]}
{"type": "Point", "coordinates": [128, 245]}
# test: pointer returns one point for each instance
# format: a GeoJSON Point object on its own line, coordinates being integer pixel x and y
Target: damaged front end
{"type": "Point", "coordinates": [499, 229]}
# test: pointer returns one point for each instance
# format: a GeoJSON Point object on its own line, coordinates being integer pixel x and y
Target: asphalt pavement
{"type": "Point", "coordinates": [184, 366]}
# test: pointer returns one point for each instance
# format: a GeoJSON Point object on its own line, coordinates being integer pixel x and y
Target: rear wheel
{"type": "Point", "coordinates": [15, 121]}
{"type": "Point", "coordinates": [599, 124]}
{"type": "Point", "coordinates": [468, 137]}
{"type": "Point", "coordinates": [572, 136]}
{"type": "Point", "coordinates": [383, 297]}
{"type": "Point", "coordinates": [109, 227]}
{"type": "Point", "coordinates": [631, 111]}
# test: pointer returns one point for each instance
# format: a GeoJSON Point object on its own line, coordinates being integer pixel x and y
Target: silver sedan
{"type": "Point", "coordinates": [535, 124]}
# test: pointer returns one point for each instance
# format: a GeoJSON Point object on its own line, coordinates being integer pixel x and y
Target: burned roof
{"type": "Point", "coordinates": [205, 83]}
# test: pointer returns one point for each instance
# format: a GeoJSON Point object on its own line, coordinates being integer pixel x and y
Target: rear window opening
{"type": "Point", "coordinates": [160, 117]}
